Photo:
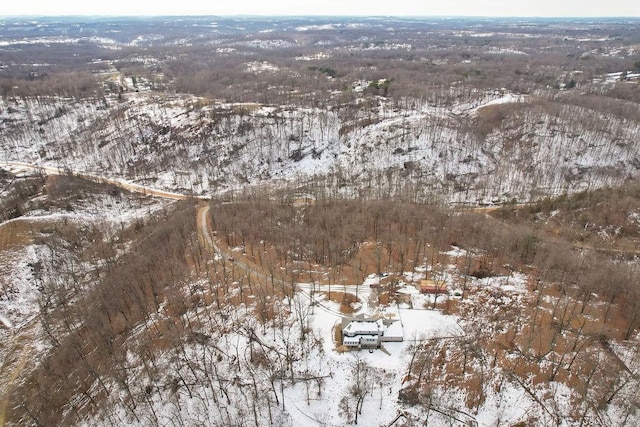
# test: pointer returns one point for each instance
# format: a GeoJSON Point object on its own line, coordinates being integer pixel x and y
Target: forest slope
{"type": "Point", "coordinates": [483, 151]}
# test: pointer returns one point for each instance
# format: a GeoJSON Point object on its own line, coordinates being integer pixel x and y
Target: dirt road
{"type": "Point", "coordinates": [137, 188]}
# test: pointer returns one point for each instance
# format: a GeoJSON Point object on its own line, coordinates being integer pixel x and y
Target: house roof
{"type": "Point", "coordinates": [370, 327]}
{"type": "Point", "coordinates": [394, 330]}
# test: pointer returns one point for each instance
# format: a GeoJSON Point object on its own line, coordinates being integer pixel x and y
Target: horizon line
{"type": "Point", "coordinates": [246, 15]}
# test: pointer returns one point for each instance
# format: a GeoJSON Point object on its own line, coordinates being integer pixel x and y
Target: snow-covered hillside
{"type": "Point", "coordinates": [493, 149]}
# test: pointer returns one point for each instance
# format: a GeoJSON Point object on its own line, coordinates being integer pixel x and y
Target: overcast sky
{"type": "Point", "coordinates": [325, 7]}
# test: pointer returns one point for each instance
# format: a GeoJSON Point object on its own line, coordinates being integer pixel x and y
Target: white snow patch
{"type": "Point", "coordinates": [262, 67]}
{"type": "Point", "coordinates": [456, 252]}
{"type": "Point", "coordinates": [6, 322]}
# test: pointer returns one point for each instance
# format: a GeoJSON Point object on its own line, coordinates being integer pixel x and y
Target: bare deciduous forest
{"type": "Point", "coordinates": [193, 214]}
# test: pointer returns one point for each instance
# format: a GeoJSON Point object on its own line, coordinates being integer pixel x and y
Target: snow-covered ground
{"type": "Point", "coordinates": [19, 301]}
{"type": "Point", "coordinates": [110, 212]}
{"type": "Point", "coordinates": [381, 405]}
{"type": "Point", "coordinates": [231, 146]}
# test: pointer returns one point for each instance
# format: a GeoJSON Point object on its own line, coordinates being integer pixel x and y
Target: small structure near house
{"type": "Point", "coordinates": [360, 332]}
{"type": "Point", "coordinates": [393, 331]}
{"type": "Point", "coordinates": [434, 287]}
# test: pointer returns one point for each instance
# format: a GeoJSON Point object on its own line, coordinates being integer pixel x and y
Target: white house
{"type": "Point", "coordinates": [360, 332]}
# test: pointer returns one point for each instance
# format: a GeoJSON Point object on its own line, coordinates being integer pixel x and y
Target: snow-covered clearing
{"type": "Point", "coordinates": [381, 405]}
{"type": "Point", "coordinates": [389, 363]}
{"type": "Point", "coordinates": [506, 99]}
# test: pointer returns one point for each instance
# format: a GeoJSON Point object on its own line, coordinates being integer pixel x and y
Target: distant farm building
{"type": "Point", "coordinates": [360, 332]}
{"type": "Point", "coordinates": [435, 287]}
